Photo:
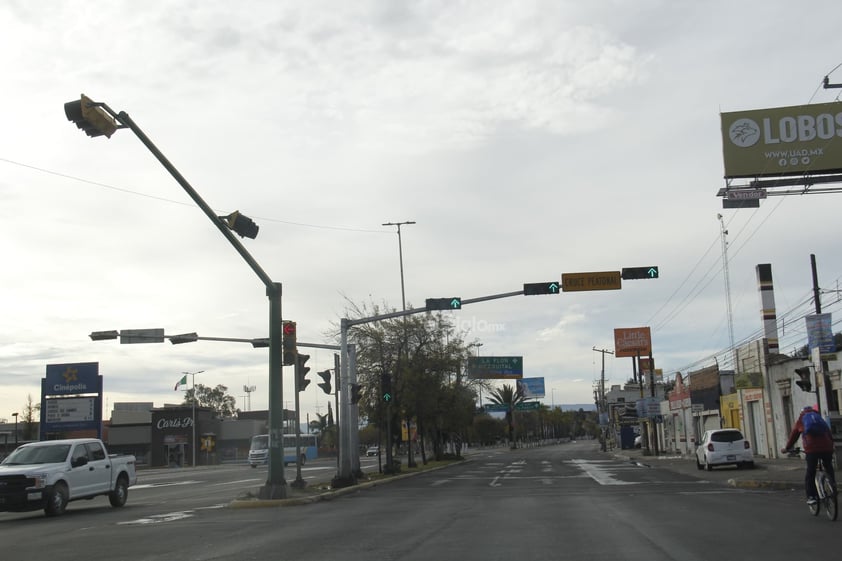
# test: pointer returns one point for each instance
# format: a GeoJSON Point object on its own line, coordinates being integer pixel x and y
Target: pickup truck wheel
{"type": "Point", "coordinates": [56, 500]}
{"type": "Point", "coordinates": [118, 496]}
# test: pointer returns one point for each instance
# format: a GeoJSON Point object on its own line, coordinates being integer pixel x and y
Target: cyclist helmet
{"type": "Point", "coordinates": [807, 408]}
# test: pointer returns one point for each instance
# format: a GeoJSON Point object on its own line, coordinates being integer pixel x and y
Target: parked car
{"type": "Point", "coordinates": [372, 451]}
{"type": "Point", "coordinates": [724, 447]}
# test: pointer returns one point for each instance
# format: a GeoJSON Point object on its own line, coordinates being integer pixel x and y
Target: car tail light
{"type": "Point", "coordinates": [746, 445]}
{"type": "Point", "coordinates": [710, 446]}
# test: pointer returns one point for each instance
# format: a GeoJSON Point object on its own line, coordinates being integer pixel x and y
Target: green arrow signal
{"type": "Point", "coordinates": [387, 397]}
{"type": "Point", "coordinates": [553, 287]}
{"type": "Point", "coordinates": [456, 303]}
{"type": "Point", "coordinates": [653, 272]}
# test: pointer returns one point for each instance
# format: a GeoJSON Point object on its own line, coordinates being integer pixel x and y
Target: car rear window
{"type": "Point", "coordinates": [726, 436]}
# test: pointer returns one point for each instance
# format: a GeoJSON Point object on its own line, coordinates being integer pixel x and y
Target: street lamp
{"type": "Point", "coordinates": [97, 119]}
{"type": "Point", "coordinates": [409, 459]}
{"type": "Point", "coordinates": [193, 378]}
{"type": "Point", "coordinates": [15, 415]}
{"type": "Point", "coordinates": [400, 256]}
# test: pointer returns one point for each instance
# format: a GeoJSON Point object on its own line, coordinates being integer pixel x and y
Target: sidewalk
{"type": "Point", "coordinates": [768, 473]}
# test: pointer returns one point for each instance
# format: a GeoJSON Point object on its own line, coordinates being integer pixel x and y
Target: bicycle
{"type": "Point", "coordinates": [825, 489]}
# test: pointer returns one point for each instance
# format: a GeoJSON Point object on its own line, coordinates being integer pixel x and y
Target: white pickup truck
{"type": "Point", "coordinates": [51, 473]}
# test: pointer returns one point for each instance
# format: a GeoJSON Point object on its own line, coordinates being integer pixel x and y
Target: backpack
{"type": "Point", "coordinates": [814, 424]}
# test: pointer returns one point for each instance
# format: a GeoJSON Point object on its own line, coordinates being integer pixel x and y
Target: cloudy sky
{"type": "Point", "coordinates": [526, 139]}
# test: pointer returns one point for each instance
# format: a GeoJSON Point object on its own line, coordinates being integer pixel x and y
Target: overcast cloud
{"type": "Point", "coordinates": [525, 139]}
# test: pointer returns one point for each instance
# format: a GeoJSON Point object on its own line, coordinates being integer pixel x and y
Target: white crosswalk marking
{"type": "Point", "coordinates": [602, 472]}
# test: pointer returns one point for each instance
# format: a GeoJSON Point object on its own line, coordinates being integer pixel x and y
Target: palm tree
{"type": "Point", "coordinates": [510, 397]}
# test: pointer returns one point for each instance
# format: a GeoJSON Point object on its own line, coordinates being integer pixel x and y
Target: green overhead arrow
{"type": "Point", "coordinates": [653, 272]}
{"type": "Point", "coordinates": [554, 287]}
{"type": "Point", "coordinates": [456, 303]}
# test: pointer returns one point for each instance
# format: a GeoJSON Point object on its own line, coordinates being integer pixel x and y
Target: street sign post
{"type": "Point", "coordinates": [605, 280]}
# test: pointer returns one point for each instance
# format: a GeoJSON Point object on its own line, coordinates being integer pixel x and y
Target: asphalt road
{"type": "Point", "coordinates": [557, 502]}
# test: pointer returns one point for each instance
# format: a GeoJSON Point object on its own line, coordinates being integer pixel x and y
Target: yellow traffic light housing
{"type": "Point", "coordinates": [88, 116]}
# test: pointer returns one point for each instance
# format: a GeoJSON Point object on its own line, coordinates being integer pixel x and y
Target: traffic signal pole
{"type": "Point", "coordinates": [347, 474]}
{"type": "Point", "coordinates": [275, 486]}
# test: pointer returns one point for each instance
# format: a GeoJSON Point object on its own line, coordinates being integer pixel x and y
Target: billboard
{"type": "Point", "coordinates": [71, 398]}
{"type": "Point", "coordinates": [631, 341]}
{"type": "Point", "coordinates": [820, 333]}
{"type": "Point", "coordinates": [532, 387]}
{"type": "Point", "coordinates": [783, 141]}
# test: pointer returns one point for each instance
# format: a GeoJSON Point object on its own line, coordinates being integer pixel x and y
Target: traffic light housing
{"type": "Point", "coordinates": [241, 224]}
{"type": "Point", "coordinates": [325, 375]}
{"type": "Point", "coordinates": [355, 393]}
{"type": "Point", "coordinates": [290, 342]}
{"type": "Point", "coordinates": [634, 273]}
{"type": "Point", "coordinates": [301, 372]}
{"type": "Point", "coordinates": [89, 117]}
{"type": "Point", "coordinates": [549, 287]}
{"type": "Point", "coordinates": [804, 374]}
{"type": "Point", "coordinates": [452, 303]}
{"type": "Point", "coordinates": [386, 388]}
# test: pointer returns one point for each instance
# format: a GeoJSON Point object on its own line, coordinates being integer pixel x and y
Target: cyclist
{"type": "Point", "coordinates": [817, 445]}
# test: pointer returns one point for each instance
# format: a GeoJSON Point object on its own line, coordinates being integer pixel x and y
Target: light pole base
{"type": "Point", "coordinates": [341, 482]}
{"type": "Point", "coordinates": [271, 491]}
{"type": "Point", "coordinates": [299, 483]}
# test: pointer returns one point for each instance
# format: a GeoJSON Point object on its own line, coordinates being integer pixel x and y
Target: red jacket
{"type": "Point", "coordinates": [809, 442]}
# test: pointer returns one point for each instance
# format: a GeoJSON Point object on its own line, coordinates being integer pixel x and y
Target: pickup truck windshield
{"type": "Point", "coordinates": [30, 455]}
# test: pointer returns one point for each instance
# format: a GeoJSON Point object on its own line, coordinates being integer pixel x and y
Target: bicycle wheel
{"type": "Point", "coordinates": [830, 503]}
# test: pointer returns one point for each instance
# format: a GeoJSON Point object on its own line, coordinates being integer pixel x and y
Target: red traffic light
{"type": "Point", "coordinates": [289, 328]}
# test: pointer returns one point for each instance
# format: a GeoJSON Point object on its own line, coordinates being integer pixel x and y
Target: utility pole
{"type": "Point", "coordinates": [602, 409]}
{"type": "Point", "coordinates": [831, 404]}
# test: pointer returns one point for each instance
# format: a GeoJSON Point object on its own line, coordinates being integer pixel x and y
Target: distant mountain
{"type": "Point", "coordinates": [577, 406]}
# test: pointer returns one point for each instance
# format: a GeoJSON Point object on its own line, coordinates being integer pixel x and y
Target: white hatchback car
{"type": "Point", "coordinates": [724, 447]}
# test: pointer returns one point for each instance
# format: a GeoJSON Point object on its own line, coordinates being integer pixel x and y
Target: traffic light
{"type": "Point", "coordinates": [301, 372]}
{"type": "Point", "coordinates": [92, 119]}
{"type": "Point", "coordinates": [452, 303]}
{"type": "Point", "coordinates": [289, 342]}
{"type": "Point", "coordinates": [241, 224]}
{"type": "Point", "coordinates": [386, 387]}
{"type": "Point", "coordinates": [634, 273]}
{"type": "Point", "coordinates": [183, 338]}
{"type": "Point", "coordinates": [355, 393]}
{"type": "Point", "coordinates": [804, 383]}
{"type": "Point", "coordinates": [326, 384]}
{"type": "Point", "coordinates": [549, 287]}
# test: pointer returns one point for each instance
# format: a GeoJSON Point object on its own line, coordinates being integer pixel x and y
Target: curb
{"type": "Point", "coordinates": [756, 484]}
{"type": "Point", "coordinates": [329, 495]}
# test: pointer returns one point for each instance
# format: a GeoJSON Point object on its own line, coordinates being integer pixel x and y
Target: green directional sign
{"type": "Point", "coordinates": [497, 407]}
{"type": "Point", "coordinates": [452, 303]}
{"type": "Point", "coordinates": [549, 287]}
{"type": "Point", "coordinates": [634, 273]}
{"type": "Point", "coordinates": [527, 406]}
{"type": "Point", "coordinates": [495, 367]}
